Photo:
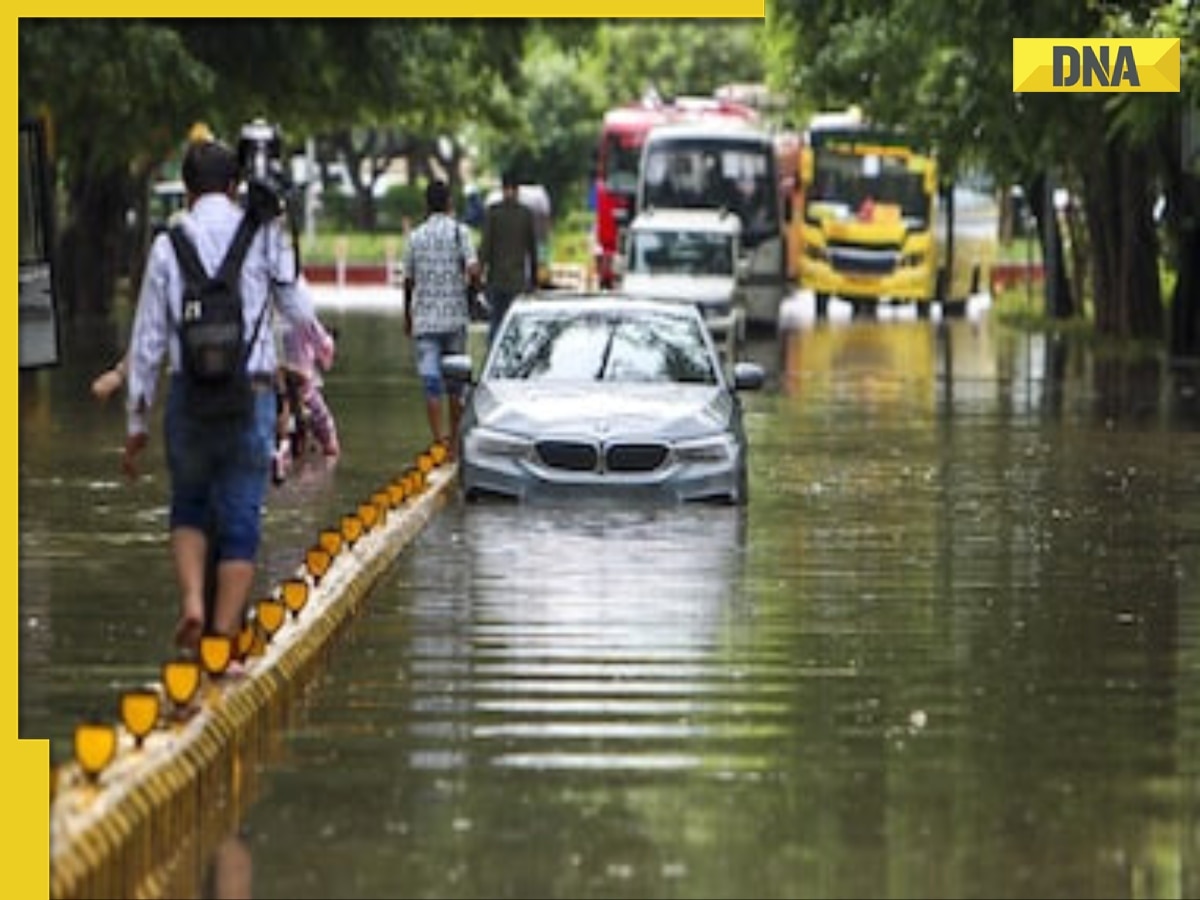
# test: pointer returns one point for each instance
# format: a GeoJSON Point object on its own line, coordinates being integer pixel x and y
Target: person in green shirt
{"type": "Point", "coordinates": [508, 252]}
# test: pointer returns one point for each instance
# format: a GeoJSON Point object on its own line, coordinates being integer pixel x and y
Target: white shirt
{"type": "Point", "coordinates": [268, 271]}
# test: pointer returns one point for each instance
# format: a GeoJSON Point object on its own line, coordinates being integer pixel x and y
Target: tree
{"type": "Point", "coordinates": [557, 116]}
{"type": "Point", "coordinates": [114, 112]}
{"type": "Point", "coordinates": [678, 57]}
{"type": "Point", "coordinates": [945, 70]}
{"type": "Point", "coordinates": [121, 94]}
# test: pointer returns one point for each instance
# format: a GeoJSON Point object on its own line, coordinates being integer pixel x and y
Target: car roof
{"type": "Point", "coordinates": [687, 220]}
{"type": "Point", "coordinates": [602, 301]}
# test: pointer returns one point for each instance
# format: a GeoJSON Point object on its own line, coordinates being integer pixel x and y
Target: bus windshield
{"type": "Point", "coordinates": [710, 174]}
{"type": "Point", "coordinates": [844, 181]}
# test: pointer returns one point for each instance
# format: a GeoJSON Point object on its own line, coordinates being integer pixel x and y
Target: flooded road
{"type": "Point", "coordinates": [951, 648]}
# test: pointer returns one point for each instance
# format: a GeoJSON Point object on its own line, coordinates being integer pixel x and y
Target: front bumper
{"type": "Point", "coordinates": [528, 479]}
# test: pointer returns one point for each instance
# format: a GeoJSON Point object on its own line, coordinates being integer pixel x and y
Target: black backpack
{"type": "Point", "coordinates": [212, 350]}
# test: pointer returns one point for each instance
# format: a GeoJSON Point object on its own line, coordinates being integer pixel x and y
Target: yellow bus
{"type": "Point", "coordinates": [873, 227]}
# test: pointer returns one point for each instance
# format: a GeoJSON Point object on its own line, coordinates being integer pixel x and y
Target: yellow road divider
{"type": "Point", "coordinates": [142, 806]}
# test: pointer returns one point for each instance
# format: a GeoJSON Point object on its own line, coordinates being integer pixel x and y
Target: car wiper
{"type": "Point", "coordinates": [606, 354]}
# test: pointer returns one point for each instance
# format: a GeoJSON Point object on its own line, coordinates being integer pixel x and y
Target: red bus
{"type": "Point", "coordinates": [619, 155]}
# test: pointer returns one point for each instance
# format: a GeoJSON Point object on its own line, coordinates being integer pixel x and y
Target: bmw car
{"type": "Point", "coordinates": [603, 394]}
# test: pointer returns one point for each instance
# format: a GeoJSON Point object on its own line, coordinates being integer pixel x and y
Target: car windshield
{"type": "Point", "coordinates": [680, 253]}
{"type": "Point", "coordinates": [608, 346]}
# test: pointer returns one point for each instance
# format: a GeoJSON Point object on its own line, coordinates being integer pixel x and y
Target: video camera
{"type": "Point", "coordinates": [260, 162]}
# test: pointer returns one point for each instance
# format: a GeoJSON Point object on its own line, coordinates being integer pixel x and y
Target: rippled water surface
{"type": "Point", "coordinates": [950, 648]}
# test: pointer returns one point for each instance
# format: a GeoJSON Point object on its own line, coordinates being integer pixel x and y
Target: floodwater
{"type": "Point", "coordinates": [951, 648]}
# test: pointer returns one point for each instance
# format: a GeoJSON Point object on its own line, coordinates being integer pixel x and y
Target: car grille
{"type": "Point", "coordinates": [581, 456]}
{"type": "Point", "coordinates": [634, 457]}
{"type": "Point", "coordinates": [573, 456]}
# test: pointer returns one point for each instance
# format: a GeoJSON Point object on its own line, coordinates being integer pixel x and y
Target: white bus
{"type": "Point", "coordinates": [731, 167]}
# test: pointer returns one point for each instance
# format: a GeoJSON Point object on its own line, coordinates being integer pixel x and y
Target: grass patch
{"type": "Point", "coordinates": [570, 242]}
{"type": "Point", "coordinates": [1016, 308]}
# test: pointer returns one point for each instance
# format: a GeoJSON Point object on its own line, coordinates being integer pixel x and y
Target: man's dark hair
{"type": "Point", "coordinates": [509, 179]}
{"type": "Point", "coordinates": [437, 196]}
{"type": "Point", "coordinates": [209, 167]}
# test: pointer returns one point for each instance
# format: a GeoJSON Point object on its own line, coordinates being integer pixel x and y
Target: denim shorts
{"type": "Point", "coordinates": [430, 350]}
{"type": "Point", "coordinates": [219, 474]}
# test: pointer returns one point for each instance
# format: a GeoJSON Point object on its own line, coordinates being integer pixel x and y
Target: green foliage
{"type": "Point", "coordinates": [118, 95]}
{"type": "Point", "coordinates": [560, 111]}
{"type": "Point", "coordinates": [677, 57]}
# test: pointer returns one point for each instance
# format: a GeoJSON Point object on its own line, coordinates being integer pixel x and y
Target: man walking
{"type": "Point", "coordinates": [439, 267]}
{"type": "Point", "coordinates": [219, 467]}
{"type": "Point", "coordinates": [508, 253]}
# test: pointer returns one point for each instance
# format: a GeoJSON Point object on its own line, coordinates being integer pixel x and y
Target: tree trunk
{"type": "Point", "coordinates": [93, 245]}
{"type": "Point", "coordinates": [1185, 303]}
{"type": "Point", "coordinates": [1128, 294]}
{"type": "Point", "coordinates": [1183, 230]}
{"type": "Point", "coordinates": [1060, 299]}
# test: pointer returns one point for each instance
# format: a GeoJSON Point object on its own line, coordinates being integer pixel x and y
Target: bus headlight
{"type": "Point", "coordinates": [815, 253]}
{"type": "Point", "coordinates": [912, 260]}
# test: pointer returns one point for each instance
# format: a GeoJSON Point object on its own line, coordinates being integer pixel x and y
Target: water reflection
{"type": "Point", "coordinates": [596, 632]}
{"type": "Point", "coordinates": [950, 648]}
{"type": "Point", "coordinates": [229, 874]}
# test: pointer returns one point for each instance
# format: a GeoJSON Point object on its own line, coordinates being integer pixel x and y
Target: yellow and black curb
{"type": "Point", "coordinates": [139, 816]}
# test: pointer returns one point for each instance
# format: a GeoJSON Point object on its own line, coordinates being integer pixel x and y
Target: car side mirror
{"type": "Point", "coordinates": [458, 368]}
{"type": "Point", "coordinates": [748, 376]}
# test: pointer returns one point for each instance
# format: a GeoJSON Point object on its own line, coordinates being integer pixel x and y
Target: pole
{"type": "Point", "coordinates": [310, 191]}
{"type": "Point", "coordinates": [1050, 239]}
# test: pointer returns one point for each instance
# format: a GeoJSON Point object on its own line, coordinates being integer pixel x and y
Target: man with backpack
{"type": "Point", "coordinates": [206, 298]}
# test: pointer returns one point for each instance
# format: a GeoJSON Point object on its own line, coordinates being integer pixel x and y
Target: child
{"type": "Point", "coordinates": [307, 351]}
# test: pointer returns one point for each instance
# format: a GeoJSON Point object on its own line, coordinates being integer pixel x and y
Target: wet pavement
{"type": "Point", "coordinates": [950, 648]}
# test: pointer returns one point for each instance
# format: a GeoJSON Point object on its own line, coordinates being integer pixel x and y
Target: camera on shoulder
{"type": "Point", "coordinates": [260, 160]}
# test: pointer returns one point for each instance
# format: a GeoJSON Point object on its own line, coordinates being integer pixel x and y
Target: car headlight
{"type": "Point", "coordinates": [486, 442]}
{"type": "Point", "coordinates": [718, 448]}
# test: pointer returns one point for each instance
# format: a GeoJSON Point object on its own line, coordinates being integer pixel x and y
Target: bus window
{"type": "Point", "coordinates": [37, 330]}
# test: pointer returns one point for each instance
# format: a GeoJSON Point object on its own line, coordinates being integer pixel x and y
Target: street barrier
{"type": "Point", "coordinates": [145, 801]}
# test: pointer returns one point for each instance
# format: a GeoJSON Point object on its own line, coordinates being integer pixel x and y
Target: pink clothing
{"type": "Point", "coordinates": [307, 350]}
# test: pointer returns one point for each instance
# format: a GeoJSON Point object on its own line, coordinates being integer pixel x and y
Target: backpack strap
{"type": "Point", "coordinates": [231, 268]}
{"type": "Point", "coordinates": [231, 265]}
{"type": "Point", "coordinates": [185, 252]}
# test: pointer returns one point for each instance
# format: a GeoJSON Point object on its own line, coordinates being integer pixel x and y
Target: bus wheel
{"type": "Point", "coordinates": [866, 308]}
{"type": "Point", "coordinates": [954, 309]}
{"type": "Point", "coordinates": [923, 309]}
{"type": "Point", "coordinates": [822, 305]}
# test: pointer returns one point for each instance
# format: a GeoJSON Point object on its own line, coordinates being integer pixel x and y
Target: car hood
{"type": "Point", "coordinates": [701, 289]}
{"type": "Point", "coordinates": [603, 411]}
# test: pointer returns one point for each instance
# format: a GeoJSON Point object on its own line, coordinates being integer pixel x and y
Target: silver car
{"type": "Point", "coordinates": [603, 394]}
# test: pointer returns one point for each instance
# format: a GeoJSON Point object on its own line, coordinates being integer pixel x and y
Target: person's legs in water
{"type": "Point", "coordinates": [498, 302]}
{"type": "Point", "coordinates": [189, 550]}
{"type": "Point", "coordinates": [189, 457]}
{"type": "Point", "coordinates": [238, 494]}
{"type": "Point", "coordinates": [429, 368]}
{"type": "Point", "coordinates": [321, 420]}
{"type": "Point", "coordinates": [455, 343]}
